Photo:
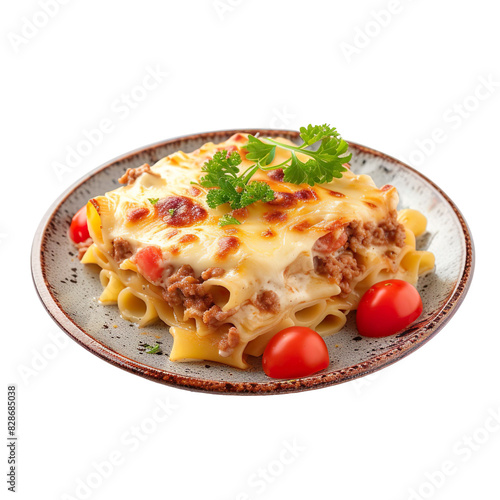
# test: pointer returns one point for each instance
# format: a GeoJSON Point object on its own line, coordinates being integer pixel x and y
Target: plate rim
{"type": "Point", "coordinates": [420, 334]}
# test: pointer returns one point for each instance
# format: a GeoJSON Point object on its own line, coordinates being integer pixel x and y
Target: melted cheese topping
{"type": "Point", "coordinates": [260, 257]}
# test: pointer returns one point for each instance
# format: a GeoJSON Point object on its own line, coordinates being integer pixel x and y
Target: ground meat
{"type": "Point", "coordinates": [233, 337]}
{"type": "Point", "coordinates": [389, 231]}
{"type": "Point", "coordinates": [267, 301]}
{"type": "Point", "coordinates": [212, 272]}
{"type": "Point", "coordinates": [131, 174]}
{"type": "Point", "coordinates": [391, 256]}
{"type": "Point", "coordinates": [215, 316]}
{"type": "Point", "coordinates": [227, 344]}
{"type": "Point", "coordinates": [394, 230]}
{"type": "Point", "coordinates": [83, 247]}
{"type": "Point", "coordinates": [336, 249]}
{"type": "Point", "coordinates": [182, 285]}
{"type": "Point", "coordinates": [184, 289]}
{"type": "Point", "coordinates": [121, 249]}
{"type": "Point", "coordinates": [341, 269]}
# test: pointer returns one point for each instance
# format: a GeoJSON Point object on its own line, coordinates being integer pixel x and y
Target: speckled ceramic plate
{"type": "Point", "coordinates": [68, 289]}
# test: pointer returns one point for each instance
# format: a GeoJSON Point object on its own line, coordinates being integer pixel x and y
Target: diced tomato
{"type": "Point", "coordinates": [329, 243]}
{"type": "Point", "coordinates": [78, 230]}
{"type": "Point", "coordinates": [149, 261]}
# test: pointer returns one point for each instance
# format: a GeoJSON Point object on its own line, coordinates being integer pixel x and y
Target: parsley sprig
{"type": "Point", "coordinates": [325, 163]}
{"type": "Point", "coordinates": [222, 171]}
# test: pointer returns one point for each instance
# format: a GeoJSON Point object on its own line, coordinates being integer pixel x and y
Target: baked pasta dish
{"type": "Point", "coordinates": [226, 267]}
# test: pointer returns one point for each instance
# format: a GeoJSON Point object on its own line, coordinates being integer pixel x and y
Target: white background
{"type": "Point", "coordinates": [252, 63]}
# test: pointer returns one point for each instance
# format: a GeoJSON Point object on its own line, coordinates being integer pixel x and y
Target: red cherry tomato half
{"type": "Point", "coordinates": [149, 261]}
{"type": "Point", "coordinates": [295, 352]}
{"type": "Point", "coordinates": [78, 230]}
{"type": "Point", "coordinates": [387, 308]}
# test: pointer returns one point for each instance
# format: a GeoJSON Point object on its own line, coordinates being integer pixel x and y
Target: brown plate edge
{"type": "Point", "coordinates": [419, 337]}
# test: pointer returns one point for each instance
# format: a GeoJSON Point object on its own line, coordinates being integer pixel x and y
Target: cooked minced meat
{"type": "Point", "coordinates": [215, 316]}
{"type": "Point", "coordinates": [121, 249]}
{"type": "Point", "coordinates": [342, 269]}
{"type": "Point", "coordinates": [184, 289]}
{"type": "Point", "coordinates": [387, 232]}
{"type": "Point", "coordinates": [267, 301]}
{"type": "Point", "coordinates": [83, 247]}
{"type": "Point", "coordinates": [131, 174]}
{"type": "Point", "coordinates": [227, 344]}
{"type": "Point", "coordinates": [341, 266]}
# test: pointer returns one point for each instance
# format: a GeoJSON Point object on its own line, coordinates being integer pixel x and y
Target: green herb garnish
{"type": "Point", "coordinates": [152, 349]}
{"type": "Point", "coordinates": [230, 186]}
{"type": "Point", "coordinates": [325, 163]}
{"type": "Point", "coordinates": [237, 190]}
{"type": "Point", "coordinates": [228, 219]}
{"type": "Point", "coordinates": [153, 201]}
{"type": "Point", "coordinates": [171, 211]}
